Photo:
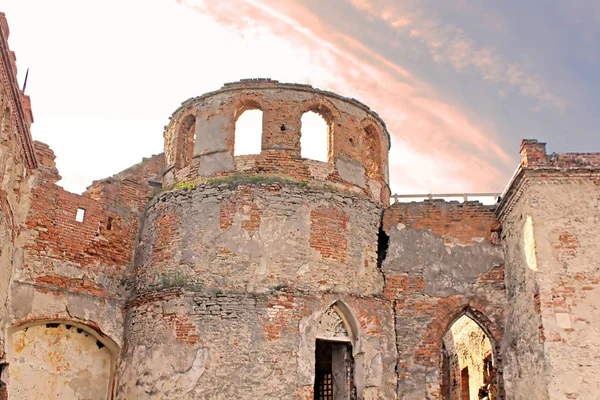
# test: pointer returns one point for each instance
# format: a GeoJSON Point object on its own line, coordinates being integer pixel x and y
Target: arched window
{"type": "Point", "coordinates": [468, 366]}
{"type": "Point", "coordinates": [314, 140]}
{"type": "Point", "coordinates": [248, 133]}
{"type": "Point", "coordinates": [186, 137]}
{"type": "Point", "coordinates": [372, 149]}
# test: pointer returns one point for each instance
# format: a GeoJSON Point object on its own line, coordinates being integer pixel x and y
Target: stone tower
{"type": "Point", "coordinates": [262, 261]}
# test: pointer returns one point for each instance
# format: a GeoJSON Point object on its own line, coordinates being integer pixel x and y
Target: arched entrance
{"type": "Point", "coordinates": [469, 365]}
{"type": "Point", "coordinates": [59, 359]}
{"type": "Point", "coordinates": [334, 361]}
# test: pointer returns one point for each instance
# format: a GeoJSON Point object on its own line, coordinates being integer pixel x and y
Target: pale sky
{"type": "Point", "coordinates": [459, 83]}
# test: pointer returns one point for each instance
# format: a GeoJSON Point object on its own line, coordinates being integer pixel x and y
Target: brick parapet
{"type": "Point", "coordinates": [462, 223]}
{"type": "Point", "coordinates": [199, 140]}
{"type": "Point", "coordinates": [266, 83]}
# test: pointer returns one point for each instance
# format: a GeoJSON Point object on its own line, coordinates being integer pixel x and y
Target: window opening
{"type": "Point", "coordinates": [372, 152]}
{"type": "Point", "coordinates": [80, 215]}
{"type": "Point", "coordinates": [248, 133]}
{"type": "Point", "coordinates": [187, 140]}
{"type": "Point", "coordinates": [314, 137]}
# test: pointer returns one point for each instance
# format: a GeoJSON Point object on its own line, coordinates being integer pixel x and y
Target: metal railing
{"type": "Point", "coordinates": [431, 196]}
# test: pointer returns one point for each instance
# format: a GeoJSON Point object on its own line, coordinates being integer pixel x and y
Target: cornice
{"type": "Point", "coordinates": [525, 177]}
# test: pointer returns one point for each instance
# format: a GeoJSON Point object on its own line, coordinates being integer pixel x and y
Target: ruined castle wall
{"type": "Point", "coordinates": [79, 269]}
{"type": "Point", "coordinates": [16, 160]}
{"type": "Point", "coordinates": [253, 237]}
{"type": "Point", "coordinates": [550, 219]}
{"type": "Point", "coordinates": [443, 261]}
{"type": "Point", "coordinates": [231, 280]}
{"type": "Point", "coordinates": [564, 223]}
{"type": "Point", "coordinates": [235, 344]}
{"type": "Point", "coordinates": [525, 366]}
{"type": "Point", "coordinates": [358, 141]}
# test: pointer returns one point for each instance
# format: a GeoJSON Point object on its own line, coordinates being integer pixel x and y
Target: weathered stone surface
{"type": "Point", "coordinates": [58, 360]}
{"type": "Point", "coordinates": [351, 172]}
{"type": "Point", "coordinates": [440, 265]}
{"type": "Point", "coordinates": [214, 163]}
{"type": "Point", "coordinates": [447, 270]}
{"type": "Point", "coordinates": [221, 284]}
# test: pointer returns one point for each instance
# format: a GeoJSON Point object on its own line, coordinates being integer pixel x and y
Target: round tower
{"type": "Point", "coordinates": [257, 275]}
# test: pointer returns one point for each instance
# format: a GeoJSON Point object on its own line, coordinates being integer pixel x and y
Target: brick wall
{"type": "Point", "coordinates": [80, 270]}
{"type": "Point", "coordinates": [17, 161]}
{"type": "Point", "coordinates": [102, 245]}
{"type": "Point", "coordinates": [550, 225]}
{"type": "Point", "coordinates": [242, 345]}
{"type": "Point", "coordinates": [358, 140]}
{"type": "Point", "coordinates": [460, 223]}
{"type": "Point", "coordinates": [441, 263]}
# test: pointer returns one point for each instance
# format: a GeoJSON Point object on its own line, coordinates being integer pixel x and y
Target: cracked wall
{"type": "Point", "coordinates": [553, 351]}
{"type": "Point", "coordinates": [358, 142]}
{"type": "Point", "coordinates": [443, 261]}
{"type": "Point", "coordinates": [238, 273]}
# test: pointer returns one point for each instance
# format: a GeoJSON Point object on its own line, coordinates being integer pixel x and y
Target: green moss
{"type": "Point", "coordinates": [241, 179]}
{"type": "Point", "coordinates": [279, 288]}
{"type": "Point", "coordinates": [179, 280]}
{"type": "Point", "coordinates": [184, 186]}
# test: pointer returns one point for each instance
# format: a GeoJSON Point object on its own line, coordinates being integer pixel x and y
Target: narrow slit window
{"type": "Point", "coordinates": [80, 215]}
{"type": "Point", "coordinates": [248, 133]}
{"type": "Point", "coordinates": [314, 137]}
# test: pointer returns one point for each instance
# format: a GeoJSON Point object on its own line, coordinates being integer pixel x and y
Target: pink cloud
{"type": "Point", "coordinates": [449, 44]}
{"type": "Point", "coordinates": [436, 146]}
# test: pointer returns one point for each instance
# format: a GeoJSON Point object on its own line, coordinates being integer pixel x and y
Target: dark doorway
{"type": "Point", "coordinates": [334, 370]}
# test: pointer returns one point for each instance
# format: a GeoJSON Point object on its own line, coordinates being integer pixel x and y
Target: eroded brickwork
{"type": "Point", "coordinates": [16, 160]}
{"type": "Point", "coordinates": [358, 140]}
{"type": "Point", "coordinates": [440, 265]}
{"type": "Point", "coordinates": [551, 221]}
{"type": "Point", "coordinates": [219, 284]}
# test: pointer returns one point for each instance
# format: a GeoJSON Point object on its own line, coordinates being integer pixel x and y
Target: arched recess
{"type": "Point", "coordinates": [248, 126]}
{"type": "Point", "coordinates": [60, 359]}
{"type": "Point", "coordinates": [372, 150]}
{"type": "Point", "coordinates": [186, 137]}
{"type": "Point", "coordinates": [339, 369]}
{"type": "Point", "coordinates": [330, 115]}
{"type": "Point", "coordinates": [470, 364]}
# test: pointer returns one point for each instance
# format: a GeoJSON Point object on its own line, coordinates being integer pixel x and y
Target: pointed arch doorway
{"type": "Point", "coordinates": [334, 361]}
